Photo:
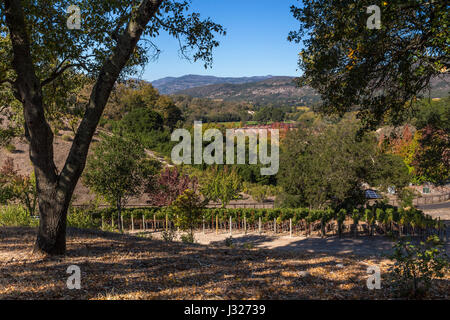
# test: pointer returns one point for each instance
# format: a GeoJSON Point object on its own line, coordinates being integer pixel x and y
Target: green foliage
{"type": "Point", "coordinates": [324, 166]}
{"type": "Point", "coordinates": [66, 137]}
{"type": "Point", "coordinates": [389, 170]}
{"type": "Point", "coordinates": [220, 184]}
{"type": "Point", "coordinates": [118, 170]}
{"type": "Point", "coordinates": [141, 121]}
{"type": "Point", "coordinates": [10, 147]}
{"type": "Point", "coordinates": [406, 197]}
{"type": "Point", "coordinates": [260, 193]}
{"type": "Point", "coordinates": [87, 49]}
{"type": "Point", "coordinates": [379, 70]}
{"type": "Point", "coordinates": [269, 114]}
{"type": "Point", "coordinates": [16, 216]}
{"type": "Point", "coordinates": [416, 265]}
{"type": "Point", "coordinates": [390, 218]}
{"type": "Point", "coordinates": [82, 220]}
{"type": "Point", "coordinates": [6, 135]}
{"type": "Point", "coordinates": [229, 242]}
{"type": "Point", "coordinates": [188, 209]}
{"type": "Point", "coordinates": [434, 113]}
{"type": "Point", "coordinates": [432, 157]}
{"type": "Point", "coordinates": [169, 235]}
{"type": "Point", "coordinates": [208, 110]}
{"type": "Point", "coordinates": [17, 187]}
{"type": "Point", "coordinates": [188, 238]}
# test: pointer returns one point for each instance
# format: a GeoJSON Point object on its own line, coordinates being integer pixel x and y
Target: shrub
{"type": "Point", "coordinates": [82, 220]}
{"type": "Point", "coordinates": [66, 137]}
{"type": "Point", "coordinates": [16, 216]}
{"type": "Point", "coordinates": [188, 238]}
{"type": "Point", "coordinates": [416, 265]}
{"type": "Point", "coordinates": [229, 242]}
{"type": "Point", "coordinates": [169, 235]}
{"type": "Point", "coordinates": [10, 147]}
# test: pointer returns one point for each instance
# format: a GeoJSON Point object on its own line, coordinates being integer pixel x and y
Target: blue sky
{"type": "Point", "coordinates": [255, 44]}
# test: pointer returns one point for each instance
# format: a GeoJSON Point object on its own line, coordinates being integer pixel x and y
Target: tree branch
{"type": "Point", "coordinates": [60, 71]}
{"type": "Point", "coordinates": [101, 91]}
{"type": "Point", "coordinates": [2, 81]}
{"type": "Point", "coordinates": [29, 91]}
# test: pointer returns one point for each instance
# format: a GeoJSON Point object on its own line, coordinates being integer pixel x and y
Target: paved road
{"type": "Point", "coordinates": [436, 206]}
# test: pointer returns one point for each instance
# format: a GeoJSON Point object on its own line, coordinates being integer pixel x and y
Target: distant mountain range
{"type": "Point", "coordinates": [260, 90]}
{"type": "Point", "coordinates": [171, 85]}
{"type": "Point", "coordinates": [276, 90]}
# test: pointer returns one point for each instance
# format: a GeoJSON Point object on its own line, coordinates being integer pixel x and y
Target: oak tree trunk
{"type": "Point", "coordinates": [55, 189]}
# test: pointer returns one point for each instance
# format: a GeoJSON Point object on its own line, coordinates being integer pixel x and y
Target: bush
{"type": "Point", "coordinates": [82, 220]}
{"type": "Point", "coordinates": [188, 238]}
{"type": "Point", "coordinates": [16, 216]}
{"type": "Point", "coordinates": [416, 265]}
{"type": "Point", "coordinates": [66, 137]}
{"type": "Point", "coordinates": [169, 235]}
{"type": "Point", "coordinates": [229, 242]}
{"type": "Point", "coordinates": [10, 147]}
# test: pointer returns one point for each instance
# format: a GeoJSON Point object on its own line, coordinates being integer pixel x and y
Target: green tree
{"type": "Point", "coordinates": [188, 208]}
{"type": "Point", "coordinates": [432, 157]}
{"type": "Point", "coordinates": [118, 170]}
{"type": "Point", "coordinates": [35, 62]}
{"type": "Point", "coordinates": [270, 114]}
{"type": "Point", "coordinates": [220, 184]}
{"type": "Point", "coordinates": [261, 193]}
{"type": "Point", "coordinates": [415, 266]}
{"type": "Point", "coordinates": [141, 121]}
{"type": "Point", "coordinates": [389, 170]}
{"type": "Point", "coordinates": [380, 71]}
{"type": "Point", "coordinates": [170, 112]}
{"type": "Point", "coordinates": [325, 166]}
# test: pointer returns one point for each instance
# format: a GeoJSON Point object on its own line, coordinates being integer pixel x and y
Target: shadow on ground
{"type": "Point", "coordinates": [115, 266]}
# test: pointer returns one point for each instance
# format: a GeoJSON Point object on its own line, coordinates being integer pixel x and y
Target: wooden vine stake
{"type": "Point", "coordinates": [132, 222]}
{"type": "Point", "coordinates": [275, 225]}
{"type": "Point", "coordinates": [290, 228]}
{"type": "Point", "coordinates": [217, 224]}
{"type": "Point", "coordinates": [245, 225]}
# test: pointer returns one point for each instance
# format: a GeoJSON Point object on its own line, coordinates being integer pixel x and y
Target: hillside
{"type": "Point", "coordinates": [282, 90]}
{"type": "Point", "coordinates": [23, 165]}
{"type": "Point", "coordinates": [171, 85]}
{"type": "Point", "coordinates": [440, 87]}
{"type": "Point", "coordinates": [279, 90]}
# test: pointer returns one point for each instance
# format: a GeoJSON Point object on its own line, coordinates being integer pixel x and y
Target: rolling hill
{"type": "Point", "coordinates": [283, 91]}
{"type": "Point", "coordinates": [171, 85]}
{"type": "Point", "coordinates": [276, 90]}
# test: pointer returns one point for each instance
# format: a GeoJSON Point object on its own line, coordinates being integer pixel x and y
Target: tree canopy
{"type": "Point", "coordinates": [379, 72]}
{"type": "Point", "coordinates": [118, 170]}
{"type": "Point", "coordinates": [39, 52]}
{"type": "Point", "coordinates": [326, 165]}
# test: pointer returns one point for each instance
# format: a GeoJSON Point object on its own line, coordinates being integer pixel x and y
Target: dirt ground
{"type": "Point", "coordinates": [115, 266]}
{"type": "Point", "coordinates": [361, 245]}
